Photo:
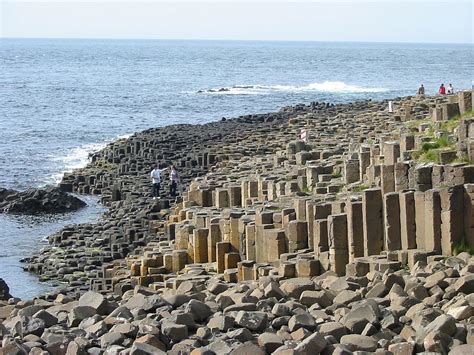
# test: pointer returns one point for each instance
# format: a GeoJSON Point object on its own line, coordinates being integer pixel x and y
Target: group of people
{"type": "Point", "coordinates": [442, 90]}
{"type": "Point", "coordinates": [156, 180]}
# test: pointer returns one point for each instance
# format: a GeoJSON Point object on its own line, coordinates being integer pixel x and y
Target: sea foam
{"type": "Point", "coordinates": [78, 157]}
{"type": "Point", "coordinates": [326, 86]}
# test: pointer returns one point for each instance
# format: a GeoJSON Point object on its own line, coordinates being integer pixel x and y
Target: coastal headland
{"type": "Point", "coordinates": [320, 228]}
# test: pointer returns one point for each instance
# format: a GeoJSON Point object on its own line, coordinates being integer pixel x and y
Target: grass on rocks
{"type": "Point", "coordinates": [360, 188]}
{"type": "Point", "coordinates": [463, 247]}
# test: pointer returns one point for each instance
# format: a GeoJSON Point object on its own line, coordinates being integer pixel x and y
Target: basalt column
{"type": "Point", "coordinates": [432, 221]}
{"type": "Point", "coordinates": [373, 221]}
{"type": "Point", "coordinates": [355, 229]}
{"type": "Point", "coordinates": [407, 220]}
{"type": "Point", "coordinates": [338, 246]}
{"type": "Point", "coordinates": [392, 221]}
{"type": "Point", "coordinates": [452, 218]}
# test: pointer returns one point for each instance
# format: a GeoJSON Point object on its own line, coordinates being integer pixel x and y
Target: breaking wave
{"type": "Point", "coordinates": [76, 158]}
{"type": "Point", "coordinates": [326, 86]}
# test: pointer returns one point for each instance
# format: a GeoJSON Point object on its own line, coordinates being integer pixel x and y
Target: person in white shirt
{"type": "Point", "coordinates": [156, 180]}
{"type": "Point", "coordinates": [174, 180]}
{"type": "Point", "coordinates": [450, 89]}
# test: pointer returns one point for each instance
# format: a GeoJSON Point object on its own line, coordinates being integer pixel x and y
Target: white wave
{"type": "Point", "coordinates": [326, 86]}
{"type": "Point", "coordinates": [78, 157]}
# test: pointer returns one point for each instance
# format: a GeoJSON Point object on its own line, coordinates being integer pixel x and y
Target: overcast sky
{"type": "Point", "coordinates": [448, 21]}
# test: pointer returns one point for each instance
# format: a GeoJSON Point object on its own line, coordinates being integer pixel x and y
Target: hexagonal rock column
{"type": "Point", "coordinates": [432, 221]}
{"type": "Point", "coordinates": [250, 241]}
{"type": "Point", "coordinates": [263, 221]}
{"type": "Point", "coordinates": [235, 236]}
{"type": "Point", "coordinates": [465, 101]}
{"type": "Point", "coordinates": [200, 245]}
{"type": "Point", "coordinates": [391, 152]}
{"type": "Point", "coordinates": [235, 195]}
{"type": "Point", "coordinates": [355, 229]}
{"type": "Point", "coordinates": [321, 243]}
{"type": "Point", "coordinates": [351, 171]}
{"type": "Point", "coordinates": [297, 235]}
{"type": "Point", "coordinates": [275, 244]}
{"type": "Point", "coordinates": [420, 219]}
{"type": "Point", "coordinates": [469, 214]}
{"type": "Point", "coordinates": [180, 258]}
{"type": "Point", "coordinates": [452, 218]}
{"type": "Point", "coordinates": [222, 248]}
{"type": "Point", "coordinates": [407, 220]}
{"type": "Point", "coordinates": [221, 198]}
{"type": "Point", "coordinates": [213, 238]}
{"type": "Point", "coordinates": [392, 221]}
{"type": "Point", "coordinates": [373, 221]}
{"type": "Point", "coordinates": [338, 244]}
{"type": "Point", "coordinates": [401, 176]}
{"type": "Point", "coordinates": [316, 211]}
{"type": "Point", "coordinates": [387, 173]}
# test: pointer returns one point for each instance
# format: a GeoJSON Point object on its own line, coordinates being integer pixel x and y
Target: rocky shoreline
{"type": "Point", "coordinates": [340, 244]}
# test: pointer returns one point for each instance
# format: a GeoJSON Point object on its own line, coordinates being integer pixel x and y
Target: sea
{"type": "Point", "coordinates": [61, 100]}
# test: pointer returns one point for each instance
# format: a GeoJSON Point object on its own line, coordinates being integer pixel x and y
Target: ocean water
{"type": "Point", "coordinates": [63, 99]}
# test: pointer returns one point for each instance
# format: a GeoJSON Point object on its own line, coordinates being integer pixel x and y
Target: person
{"type": "Point", "coordinates": [442, 90]}
{"type": "Point", "coordinates": [174, 180]}
{"type": "Point", "coordinates": [450, 89]}
{"type": "Point", "coordinates": [421, 90]}
{"type": "Point", "coordinates": [156, 180]}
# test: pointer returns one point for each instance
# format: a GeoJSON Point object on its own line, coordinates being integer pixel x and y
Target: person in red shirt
{"type": "Point", "coordinates": [442, 90]}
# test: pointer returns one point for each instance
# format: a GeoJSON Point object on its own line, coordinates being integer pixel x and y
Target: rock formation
{"type": "Point", "coordinates": [35, 201]}
{"type": "Point", "coordinates": [4, 291]}
{"type": "Point", "coordinates": [354, 240]}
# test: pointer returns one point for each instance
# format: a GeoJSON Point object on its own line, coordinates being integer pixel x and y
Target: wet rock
{"type": "Point", "coordinates": [34, 201]}
{"type": "Point", "coordinates": [4, 290]}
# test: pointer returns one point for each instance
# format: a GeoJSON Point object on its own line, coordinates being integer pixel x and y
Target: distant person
{"type": "Point", "coordinates": [442, 90]}
{"type": "Point", "coordinates": [156, 180]}
{"type": "Point", "coordinates": [450, 89]}
{"type": "Point", "coordinates": [174, 180]}
{"type": "Point", "coordinates": [421, 90]}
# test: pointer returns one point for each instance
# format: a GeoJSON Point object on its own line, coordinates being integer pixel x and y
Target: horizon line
{"type": "Point", "coordinates": [228, 40]}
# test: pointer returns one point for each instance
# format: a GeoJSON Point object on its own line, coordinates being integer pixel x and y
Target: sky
{"type": "Point", "coordinates": [448, 21]}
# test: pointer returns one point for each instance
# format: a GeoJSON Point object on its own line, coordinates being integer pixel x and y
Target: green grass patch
{"type": "Point", "coordinates": [360, 188]}
{"type": "Point", "coordinates": [463, 247]}
{"type": "Point", "coordinates": [336, 175]}
{"type": "Point", "coordinates": [415, 124]}
{"type": "Point", "coordinates": [463, 159]}
{"type": "Point", "coordinates": [467, 114]}
{"type": "Point", "coordinates": [443, 142]}
{"type": "Point", "coordinates": [93, 250]}
{"type": "Point", "coordinates": [429, 146]}
{"type": "Point", "coordinates": [427, 156]}
{"type": "Point", "coordinates": [431, 156]}
{"type": "Point", "coordinates": [451, 124]}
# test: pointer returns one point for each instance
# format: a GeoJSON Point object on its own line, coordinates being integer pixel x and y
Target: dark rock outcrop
{"type": "Point", "coordinates": [36, 201]}
{"type": "Point", "coordinates": [4, 291]}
